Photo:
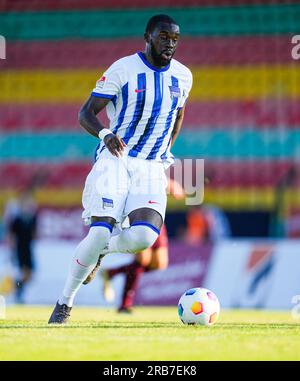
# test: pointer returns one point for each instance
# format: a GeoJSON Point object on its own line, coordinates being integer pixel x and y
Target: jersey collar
{"type": "Point", "coordinates": [140, 54]}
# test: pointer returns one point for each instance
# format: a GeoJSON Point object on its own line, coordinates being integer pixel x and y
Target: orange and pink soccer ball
{"type": "Point", "coordinates": [198, 306]}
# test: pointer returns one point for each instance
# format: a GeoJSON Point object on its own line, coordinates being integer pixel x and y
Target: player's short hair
{"type": "Point", "coordinates": [152, 23]}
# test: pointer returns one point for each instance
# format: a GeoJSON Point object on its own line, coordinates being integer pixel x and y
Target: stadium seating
{"type": "Point", "coordinates": [218, 174]}
{"type": "Point", "coordinates": [243, 115]}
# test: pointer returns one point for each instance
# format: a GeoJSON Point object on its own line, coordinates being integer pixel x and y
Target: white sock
{"type": "Point", "coordinates": [84, 260]}
{"type": "Point", "coordinates": [133, 239]}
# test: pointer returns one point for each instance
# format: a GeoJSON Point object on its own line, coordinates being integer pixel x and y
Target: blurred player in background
{"type": "Point", "coordinates": [206, 223]}
{"type": "Point", "coordinates": [152, 258]}
{"type": "Point", "coordinates": [21, 225]}
{"type": "Point", "coordinates": [144, 95]}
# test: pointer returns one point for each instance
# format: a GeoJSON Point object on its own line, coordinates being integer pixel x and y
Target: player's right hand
{"type": "Point", "coordinates": [114, 144]}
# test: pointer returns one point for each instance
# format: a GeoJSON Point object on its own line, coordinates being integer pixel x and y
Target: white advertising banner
{"type": "Point", "coordinates": [52, 261]}
{"type": "Point", "coordinates": [255, 274]}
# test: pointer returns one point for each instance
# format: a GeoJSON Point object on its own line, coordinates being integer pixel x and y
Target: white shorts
{"type": "Point", "coordinates": [117, 186]}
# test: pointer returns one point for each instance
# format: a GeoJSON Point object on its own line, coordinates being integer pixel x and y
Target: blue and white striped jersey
{"type": "Point", "coordinates": [144, 103]}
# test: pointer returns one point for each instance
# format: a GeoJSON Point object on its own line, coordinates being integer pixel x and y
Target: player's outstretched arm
{"type": "Point", "coordinates": [88, 120]}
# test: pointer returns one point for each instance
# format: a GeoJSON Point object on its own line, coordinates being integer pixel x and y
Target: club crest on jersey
{"type": "Point", "coordinates": [107, 203]}
{"type": "Point", "coordinates": [100, 83]}
{"type": "Point", "coordinates": [174, 91]}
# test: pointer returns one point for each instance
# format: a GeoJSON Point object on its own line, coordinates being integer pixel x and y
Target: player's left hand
{"type": "Point", "coordinates": [114, 144]}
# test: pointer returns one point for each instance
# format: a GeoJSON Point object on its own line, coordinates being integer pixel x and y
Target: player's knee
{"type": "Point", "coordinates": [142, 237]}
{"type": "Point", "coordinates": [92, 245]}
{"type": "Point", "coordinates": [99, 236]}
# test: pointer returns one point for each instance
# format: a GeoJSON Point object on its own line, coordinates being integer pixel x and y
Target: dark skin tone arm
{"type": "Point", "coordinates": [88, 120]}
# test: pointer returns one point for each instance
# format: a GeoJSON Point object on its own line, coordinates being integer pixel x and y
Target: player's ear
{"type": "Point", "coordinates": [147, 37]}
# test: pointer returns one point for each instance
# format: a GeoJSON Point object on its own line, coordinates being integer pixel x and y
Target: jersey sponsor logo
{"type": "Point", "coordinates": [107, 203]}
{"type": "Point", "coordinates": [174, 91]}
{"type": "Point", "coordinates": [101, 82]}
{"type": "Point", "coordinates": [152, 202]}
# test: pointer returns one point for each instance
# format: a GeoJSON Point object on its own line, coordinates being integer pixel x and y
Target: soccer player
{"type": "Point", "coordinates": [21, 218]}
{"type": "Point", "coordinates": [144, 95]}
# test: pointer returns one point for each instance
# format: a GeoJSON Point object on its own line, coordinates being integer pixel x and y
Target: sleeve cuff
{"type": "Point", "coordinates": [100, 95]}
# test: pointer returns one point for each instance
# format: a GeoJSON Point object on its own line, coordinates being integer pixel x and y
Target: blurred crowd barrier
{"type": "Point", "coordinates": [243, 274]}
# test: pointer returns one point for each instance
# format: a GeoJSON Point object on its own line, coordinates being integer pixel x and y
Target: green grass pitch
{"type": "Point", "coordinates": [150, 333]}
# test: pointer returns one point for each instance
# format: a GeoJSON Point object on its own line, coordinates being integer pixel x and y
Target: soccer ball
{"type": "Point", "coordinates": [198, 306]}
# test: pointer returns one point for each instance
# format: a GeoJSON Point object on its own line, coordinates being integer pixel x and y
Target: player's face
{"type": "Point", "coordinates": [163, 43]}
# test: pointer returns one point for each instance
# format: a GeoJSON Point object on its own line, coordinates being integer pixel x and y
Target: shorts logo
{"type": "Point", "coordinates": [101, 82]}
{"type": "Point", "coordinates": [175, 91]}
{"type": "Point", "coordinates": [107, 203]}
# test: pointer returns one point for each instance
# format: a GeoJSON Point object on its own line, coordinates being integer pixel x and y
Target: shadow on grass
{"type": "Point", "coordinates": [149, 325]}
{"type": "Point", "coordinates": [132, 325]}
